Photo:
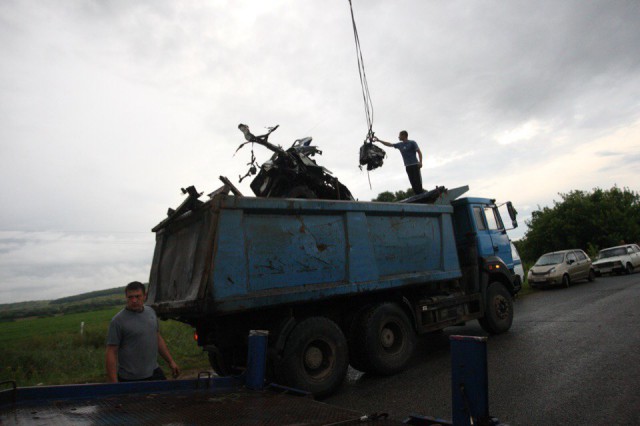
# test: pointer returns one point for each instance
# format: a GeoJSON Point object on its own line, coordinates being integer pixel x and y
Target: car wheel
{"type": "Point", "coordinates": [628, 269]}
{"type": "Point", "coordinates": [592, 275]}
{"type": "Point", "coordinates": [566, 281]}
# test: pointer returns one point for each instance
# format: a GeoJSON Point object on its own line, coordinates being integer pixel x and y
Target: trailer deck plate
{"type": "Point", "coordinates": [236, 407]}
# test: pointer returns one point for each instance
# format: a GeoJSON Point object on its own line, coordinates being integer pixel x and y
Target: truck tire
{"type": "Point", "coordinates": [315, 357]}
{"type": "Point", "coordinates": [383, 339]}
{"type": "Point", "coordinates": [498, 315]}
{"type": "Point", "coordinates": [226, 362]}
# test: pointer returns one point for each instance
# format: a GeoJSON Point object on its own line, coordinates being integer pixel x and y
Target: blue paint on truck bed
{"type": "Point", "coordinates": [233, 254]}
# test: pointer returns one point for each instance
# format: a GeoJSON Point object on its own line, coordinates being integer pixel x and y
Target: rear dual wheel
{"type": "Point", "coordinates": [381, 339]}
{"type": "Point", "coordinates": [315, 357]}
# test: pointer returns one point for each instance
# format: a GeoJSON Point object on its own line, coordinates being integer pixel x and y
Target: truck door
{"type": "Point", "coordinates": [485, 246]}
{"type": "Point", "coordinates": [501, 245]}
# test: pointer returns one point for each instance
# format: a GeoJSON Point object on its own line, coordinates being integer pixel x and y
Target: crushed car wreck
{"type": "Point", "coordinates": [291, 173]}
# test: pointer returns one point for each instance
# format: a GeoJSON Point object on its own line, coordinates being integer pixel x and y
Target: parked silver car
{"type": "Point", "coordinates": [618, 259]}
{"type": "Point", "coordinates": [561, 268]}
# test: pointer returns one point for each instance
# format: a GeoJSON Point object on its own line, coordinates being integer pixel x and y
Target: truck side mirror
{"type": "Point", "coordinates": [512, 214]}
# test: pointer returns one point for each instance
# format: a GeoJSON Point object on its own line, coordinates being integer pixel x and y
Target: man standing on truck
{"type": "Point", "coordinates": [134, 341]}
{"type": "Point", "coordinates": [412, 163]}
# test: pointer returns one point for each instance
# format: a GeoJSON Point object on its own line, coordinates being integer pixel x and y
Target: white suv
{"type": "Point", "coordinates": [618, 259]}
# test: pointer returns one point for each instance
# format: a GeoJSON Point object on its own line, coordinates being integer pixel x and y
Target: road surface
{"type": "Point", "coordinates": [571, 357]}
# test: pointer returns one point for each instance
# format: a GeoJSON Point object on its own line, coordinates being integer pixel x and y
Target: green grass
{"type": "Point", "coordinates": [52, 351]}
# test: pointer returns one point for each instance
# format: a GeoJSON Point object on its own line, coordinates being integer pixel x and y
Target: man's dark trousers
{"type": "Point", "coordinates": [415, 177]}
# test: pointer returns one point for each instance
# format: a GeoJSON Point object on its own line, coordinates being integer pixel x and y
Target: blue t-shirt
{"type": "Point", "coordinates": [409, 151]}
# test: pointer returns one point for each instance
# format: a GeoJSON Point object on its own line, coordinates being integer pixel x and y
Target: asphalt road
{"type": "Point", "coordinates": [572, 357]}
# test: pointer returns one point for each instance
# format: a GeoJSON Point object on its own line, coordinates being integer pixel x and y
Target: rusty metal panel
{"type": "Point", "coordinates": [181, 258]}
{"type": "Point", "coordinates": [282, 250]}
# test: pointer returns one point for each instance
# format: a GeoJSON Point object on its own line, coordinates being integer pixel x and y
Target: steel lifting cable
{"type": "Point", "coordinates": [370, 155]}
{"type": "Point", "coordinates": [368, 104]}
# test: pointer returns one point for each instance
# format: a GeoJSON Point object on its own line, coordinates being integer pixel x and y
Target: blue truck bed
{"type": "Point", "coordinates": [232, 254]}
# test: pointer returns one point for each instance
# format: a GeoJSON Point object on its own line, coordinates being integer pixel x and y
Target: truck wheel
{"type": "Point", "coordinates": [315, 357]}
{"type": "Point", "coordinates": [225, 361]}
{"type": "Point", "coordinates": [383, 339]}
{"type": "Point", "coordinates": [498, 315]}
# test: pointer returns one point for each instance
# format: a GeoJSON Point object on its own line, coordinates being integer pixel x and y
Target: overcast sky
{"type": "Point", "coordinates": [109, 107]}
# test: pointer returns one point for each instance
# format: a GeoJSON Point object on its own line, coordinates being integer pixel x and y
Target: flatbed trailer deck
{"type": "Point", "coordinates": [241, 400]}
{"type": "Point", "coordinates": [178, 402]}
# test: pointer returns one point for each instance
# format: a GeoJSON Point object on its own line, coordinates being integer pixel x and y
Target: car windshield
{"type": "Point", "coordinates": [550, 259]}
{"type": "Point", "coordinates": [620, 251]}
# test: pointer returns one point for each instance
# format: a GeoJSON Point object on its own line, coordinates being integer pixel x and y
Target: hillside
{"type": "Point", "coordinates": [84, 302]}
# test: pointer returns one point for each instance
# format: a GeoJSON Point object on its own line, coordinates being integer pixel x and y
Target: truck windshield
{"type": "Point", "coordinates": [550, 259]}
{"type": "Point", "coordinates": [620, 251]}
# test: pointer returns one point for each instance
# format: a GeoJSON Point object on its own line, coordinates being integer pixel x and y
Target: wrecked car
{"type": "Point", "coordinates": [291, 173]}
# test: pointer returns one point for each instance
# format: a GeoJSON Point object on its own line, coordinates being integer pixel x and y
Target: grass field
{"type": "Point", "coordinates": [52, 351]}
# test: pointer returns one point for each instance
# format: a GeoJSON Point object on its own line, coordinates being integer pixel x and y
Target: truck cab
{"type": "Point", "coordinates": [482, 242]}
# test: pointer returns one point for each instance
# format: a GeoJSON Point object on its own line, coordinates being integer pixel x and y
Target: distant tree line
{"type": "Point", "coordinates": [587, 220]}
{"type": "Point", "coordinates": [90, 295]}
{"type": "Point", "coordinates": [85, 302]}
{"type": "Point", "coordinates": [390, 197]}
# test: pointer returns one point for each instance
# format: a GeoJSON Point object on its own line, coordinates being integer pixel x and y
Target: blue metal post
{"type": "Point", "coordinates": [257, 359]}
{"type": "Point", "coordinates": [469, 380]}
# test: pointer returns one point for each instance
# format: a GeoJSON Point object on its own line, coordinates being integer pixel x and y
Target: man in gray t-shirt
{"type": "Point", "coordinates": [134, 341]}
{"type": "Point", "coordinates": [412, 158]}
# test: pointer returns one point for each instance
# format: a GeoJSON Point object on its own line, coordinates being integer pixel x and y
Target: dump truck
{"type": "Point", "coordinates": [333, 282]}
